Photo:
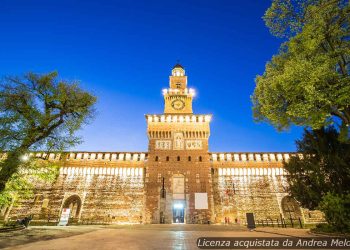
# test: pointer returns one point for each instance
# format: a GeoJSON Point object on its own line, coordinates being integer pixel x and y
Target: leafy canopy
{"type": "Point", "coordinates": [307, 83]}
{"type": "Point", "coordinates": [324, 167]}
{"type": "Point", "coordinates": [38, 112]}
{"type": "Point", "coordinates": [41, 112]}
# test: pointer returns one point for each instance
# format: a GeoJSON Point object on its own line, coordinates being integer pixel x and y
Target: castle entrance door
{"type": "Point", "coordinates": [179, 211]}
{"type": "Point", "coordinates": [178, 198]}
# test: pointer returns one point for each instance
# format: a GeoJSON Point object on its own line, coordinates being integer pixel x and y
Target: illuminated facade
{"type": "Point", "coordinates": [177, 181]}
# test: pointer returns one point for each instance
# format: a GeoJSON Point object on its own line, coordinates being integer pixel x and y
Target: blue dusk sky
{"type": "Point", "coordinates": [123, 52]}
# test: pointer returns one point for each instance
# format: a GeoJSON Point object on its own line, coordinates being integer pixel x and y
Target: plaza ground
{"type": "Point", "coordinates": [130, 236]}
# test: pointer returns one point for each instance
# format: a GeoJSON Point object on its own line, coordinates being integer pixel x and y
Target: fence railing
{"type": "Point", "coordinates": [283, 222]}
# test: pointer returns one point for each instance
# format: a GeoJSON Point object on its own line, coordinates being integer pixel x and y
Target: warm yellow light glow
{"type": "Point", "coordinates": [258, 157]}
{"type": "Point", "coordinates": [24, 158]}
{"type": "Point", "coordinates": [192, 92]}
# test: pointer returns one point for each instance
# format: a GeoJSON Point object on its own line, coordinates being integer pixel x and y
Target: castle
{"type": "Point", "coordinates": [177, 181]}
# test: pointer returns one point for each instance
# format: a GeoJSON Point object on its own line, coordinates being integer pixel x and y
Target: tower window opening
{"type": "Point", "coordinates": [200, 158]}
{"type": "Point", "coordinates": [178, 158]}
{"type": "Point", "coordinates": [178, 85]}
{"type": "Point", "coordinates": [157, 158]}
{"type": "Point", "coordinates": [167, 158]}
{"type": "Point", "coordinates": [189, 158]}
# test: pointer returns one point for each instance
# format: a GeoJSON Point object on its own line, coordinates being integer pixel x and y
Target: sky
{"type": "Point", "coordinates": [123, 52]}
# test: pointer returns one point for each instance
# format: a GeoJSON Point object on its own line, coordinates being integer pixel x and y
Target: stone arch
{"type": "Point", "coordinates": [74, 203]}
{"type": "Point", "coordinates": [290, 208]}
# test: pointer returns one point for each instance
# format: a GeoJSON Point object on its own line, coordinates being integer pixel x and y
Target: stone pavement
{"type": "Point", "coordinates": [131, 237]}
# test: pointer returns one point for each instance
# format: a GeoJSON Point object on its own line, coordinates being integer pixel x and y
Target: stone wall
{"type": "Point", "coordinates": [99, 190]}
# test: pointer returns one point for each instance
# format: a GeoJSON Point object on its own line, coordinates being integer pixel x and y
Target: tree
{"type": "Point", "coordinates": [307, 83]}
{"type": "Point", "coordinates": [31, 173]}
{"type": "Point", "coordinates": [39, 112]}
{"type": "Point", "coordinates": [323, 168]}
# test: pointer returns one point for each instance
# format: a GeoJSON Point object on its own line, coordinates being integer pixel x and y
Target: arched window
{"type": "Point", "coordinates": [189, 158]}
{"type": "Point", "coordinates": [178, 158]}
{"type": "Point", "coordinates": [157, 158]}
{"type": "Point", "coordinates": [167, 158]}
{"type": "Point", "coordinates": [200, 158]}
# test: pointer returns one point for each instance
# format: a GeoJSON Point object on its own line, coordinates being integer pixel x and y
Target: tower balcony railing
{"type": "Point", "coordinates": [186, 91]}
{"type": "Point", "coordinates": [179, 118]}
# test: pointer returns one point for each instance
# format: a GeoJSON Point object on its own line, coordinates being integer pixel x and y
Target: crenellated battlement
{"type": "Point", "coordinates": [142, 156]}
{"type": "Point", "coordinates": [252, 157]}
{"type": "Point", "coordinates": [89, 156]}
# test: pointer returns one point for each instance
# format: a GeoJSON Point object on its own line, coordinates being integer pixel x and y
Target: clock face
{"type": "Point", "coordinates": [178, 104]}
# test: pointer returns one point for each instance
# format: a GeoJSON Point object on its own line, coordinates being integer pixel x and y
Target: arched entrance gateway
{"type": "Point", "coordinates": [74, 203]}
{"type": "Point", "coordinates": [290, 208]}
{"type": "Point", "coordinates": [179, 203]}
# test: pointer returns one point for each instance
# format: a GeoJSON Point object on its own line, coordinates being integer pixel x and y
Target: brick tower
{"type": "Point", "coordinates": [178, 174]}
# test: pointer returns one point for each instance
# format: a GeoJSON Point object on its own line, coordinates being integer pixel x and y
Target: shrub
{"type": "Point", "coordinates": [337, 211]}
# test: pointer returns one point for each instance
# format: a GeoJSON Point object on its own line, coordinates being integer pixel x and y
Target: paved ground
{"type": "Point", "coordinates": [129, 237]}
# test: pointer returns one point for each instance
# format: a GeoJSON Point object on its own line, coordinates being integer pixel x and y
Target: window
{"type": "Point", "coordinates": [167, 158]}
{"type": "Point", "coordinates": [178, 85]}
{"type": "Point", "coordinates": [157, 158]}
{"type": "Point", "coordinates": [200, 158]}
{"type": "Point", "coordinates": [189, 158]}
{"type": "Point", "coordinates": [178, 158]}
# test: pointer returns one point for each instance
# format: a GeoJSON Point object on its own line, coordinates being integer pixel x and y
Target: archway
{"type": "Point", "coordinates": [73, 202]}
{"type": "Point", "coordinates": [290, 208]}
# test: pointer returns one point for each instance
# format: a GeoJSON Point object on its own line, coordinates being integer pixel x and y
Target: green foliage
{"type": "Point", "coordinates": [324, 167]}
{"type": "Point", "coordinates": [308, 82]}
{"type": "Point", "coordinates": [337, 211]}
{"type": "Point", "coordinates": [21, 184]}
{"type": "Point", "coordinates": [39, 112]}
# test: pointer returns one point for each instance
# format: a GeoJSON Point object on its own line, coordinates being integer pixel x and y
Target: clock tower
{"type": "Point", "coordinates": [178, 98]}
{"type": "Point", "coordinates": [178, 171]}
